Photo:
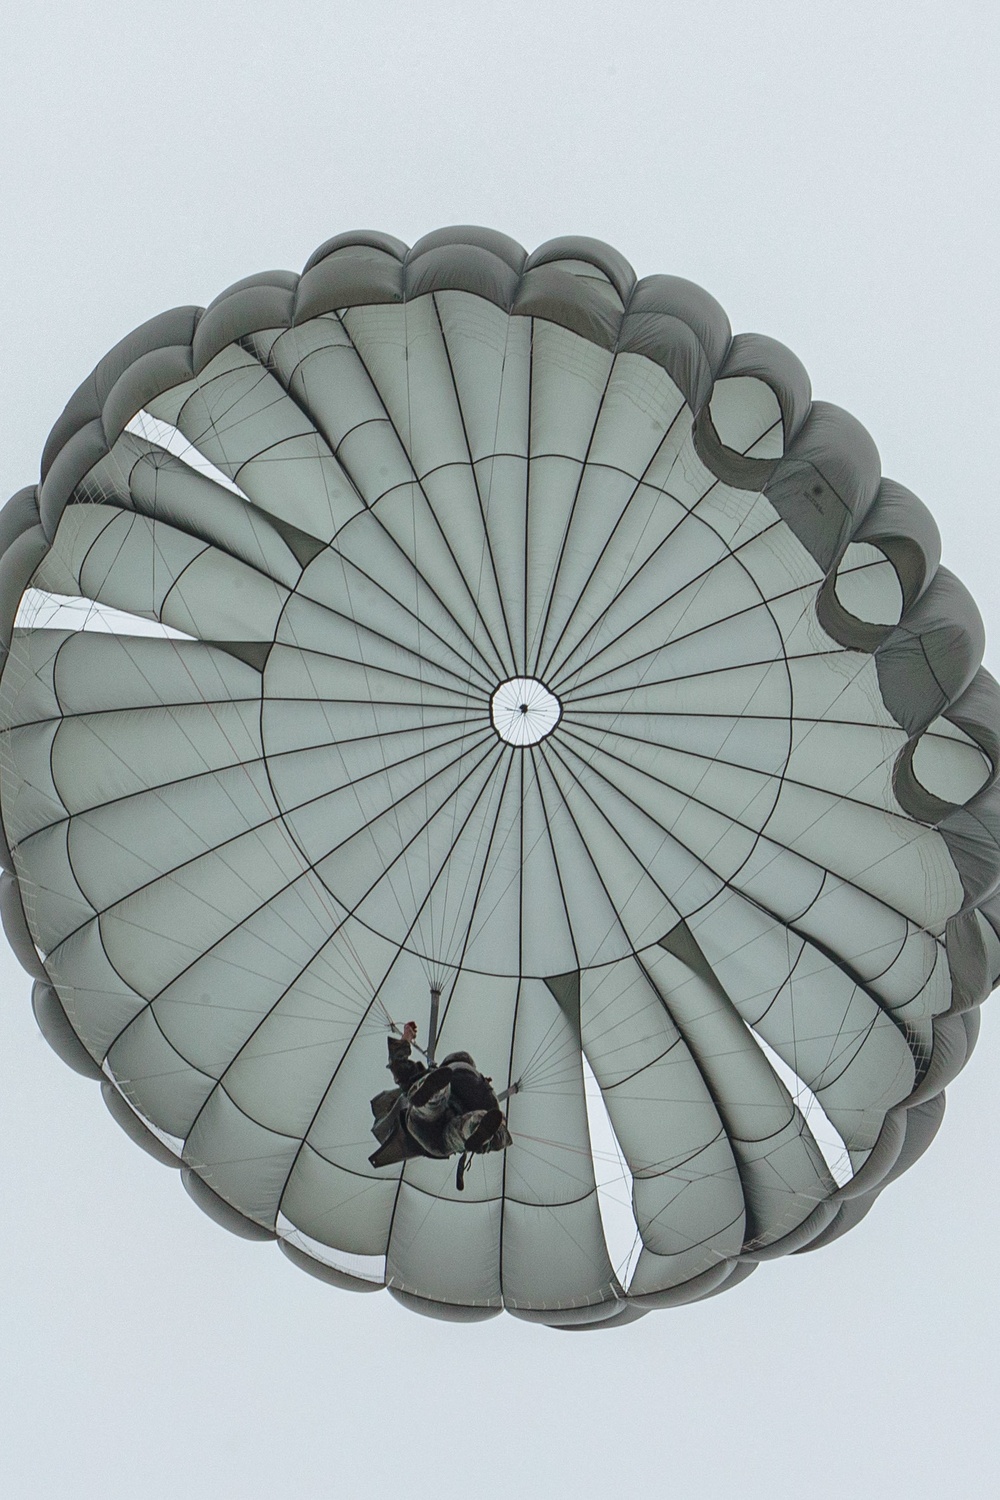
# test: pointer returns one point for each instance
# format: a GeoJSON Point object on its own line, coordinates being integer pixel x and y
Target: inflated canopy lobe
{"type": "Point", "coordinates": [462, 618]}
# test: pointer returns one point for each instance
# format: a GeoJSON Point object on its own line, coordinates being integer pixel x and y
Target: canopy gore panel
{"type": "Point", "coordinates": [456, 618]}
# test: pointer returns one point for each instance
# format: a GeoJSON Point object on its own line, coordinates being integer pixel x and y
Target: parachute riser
{"type": "Point", "coordinates": [432, 1028]}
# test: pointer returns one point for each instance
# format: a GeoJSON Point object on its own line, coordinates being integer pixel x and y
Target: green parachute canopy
{"type": "Point", "coordinates": [460, 618]}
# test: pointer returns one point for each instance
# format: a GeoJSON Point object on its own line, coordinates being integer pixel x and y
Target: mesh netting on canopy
{"type": "Point", "coordinates": [459, 619]}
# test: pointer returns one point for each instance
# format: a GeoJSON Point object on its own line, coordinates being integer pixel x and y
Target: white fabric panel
{"type": "Point", "coordinates": [156, 481]}
{"type": "Point", "coordinates": [746, 414]}
{"type": "Point", "coordinates": [547, 944]}
{"type": "Point", "coordinates": [760, 688]}
{"type": "Point", "coordinates": [830, 1032]}
{"type": "Point", "coordinates": [853, 1057]}
{"type": "Point", "coordinates": [341, 748]}
{"type": "Point", "coordinates": [775, 558]}
{"type": "Point", "coordinates": [838, 685]}
{"type": "Point", "coordinates": [679, 472]}
{"type": "Point", "coordinates": [868, 585]}
{"type": "Point", "coordinates": [385, 879]}
{"type": "Point", "coordinates": [546, 514]}
{"type": "Point", "coordinates": [902, 863]}
{"type": "Point", "coordinates": [897, 960]}
{"type": "Point", "coordinates": [51, 893]}
{"type": "Point", "coordinates": [686, 1185]}
{"type": "Point", "coordinates": [490, 357]}
{"type": "Point", "coordinates": [645, 674]}
{"type": "Point", "coordinates": [94, 673]}
{"type": "Point", "coordinates": [639, 409]}
{"type": "Point", "coordinates": [118, 558]}
{"type": "Point", "coordinates": [442, 1248]}
{"type": "Point", "coordinates": [340, 1208]}
{"type": "Point", "coordinates": [186, 822]}
{"type": "Point", "coordinates": [948, 763]}
{"type": "Point", "coordinates": [335, 806]}
{"type": "Point", "coordinates": [239, 418]}
{"type": "Point", "coordinates": [294, 674]}
{"type": "Point", "coordinates": [397, 644]}
{"type": "Point", "coordinates": [153, 1076]}
{"type": "Point", "coordinates": [319, 365]}
{"type": "Point", "coordinates": [781, 1168]}
{"type": "Point", "coordinates": [479, 517]}
{"type": "Point", "coordinates": [849, 760]}
{"type": "Point", "coordinates": [345, 586]}
{"type": "Point", "coordinates": [577, 519]}
{"type": "Point", "coordinates": [135, 562]}
{"type": "Point", "coordinates": [337, 388]}
{"type": "Point", "coordinates": [28, 677]}
{"type": "Point", "coordinates": [375, 461]}
{"type": "Point", "coordinates": [554, 1255]}
{"type": "Point", "coordinates": [80, 526]}
{"type": "Point", "coordinates": [553, 1240]}
{"type": "Point", "coordinates": [438, 528]}
{"type": "Point", "coordinates": [794, 614]}
{"type": "Point", "coordinates": [97, 1000]}
{"type": "Point", "coordinates": [282, 950]}
{"type": "Point", "coordinates": [754, 742]}
{"type": "Point", "coordinates": [484, 1179]}
{"type": "Point", "coordinates": [740, 518]}
{"type": "Point", "coordinates": [475, 898]}
{"type": "Point", "coordinates": [417, 392]}
{"type": "Point", "coordinates": [234, 410]}
{"type": "Point", "coordinates": [658, 1273]}
{"type": "Point", "coordinates": [115, 754]}
{"type": "Point", "coordinates": [30, 798]}
{"type": "Point", "coordinates": [639, 859]}
{"type": "Point", "coordinates": [282, 1074]}
{"type": "Point", "coordinates": [568, 381]}
{"type": "Point", "coordinates": [666, 601]}
{"type": "Point", "coordinates": [299, 480]}
{"type": "Point", "coordinates": [166, 925]}
{"type": "Point", "coordinates": [492, 540]}
{"type": "Point", "coordinates": [637, 520]}
{"type": "Point", "coordinates": [242, 1162]}
{"type": "Point", "coordinates": [780, 880]}
{"type": "Point", "coordinates": [602, 847]}
{"type": "Point", "coordinates": [224, 600]}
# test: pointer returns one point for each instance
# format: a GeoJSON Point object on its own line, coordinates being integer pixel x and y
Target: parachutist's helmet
{"type": "Point", "coordinates": [458, 1057]}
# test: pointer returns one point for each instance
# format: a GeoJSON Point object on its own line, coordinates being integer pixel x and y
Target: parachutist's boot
{"type": "Point", "coordinates": [432, 1083]}
{"type": "Point", "coordinates": [485, 1131]}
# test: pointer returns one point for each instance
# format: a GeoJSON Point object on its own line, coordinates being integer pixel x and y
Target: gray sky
{"type": "Point", "coordinates": [828, 171]}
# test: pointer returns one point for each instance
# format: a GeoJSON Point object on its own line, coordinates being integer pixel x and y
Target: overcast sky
{"type": "Point", "coordinates": [829, 172]}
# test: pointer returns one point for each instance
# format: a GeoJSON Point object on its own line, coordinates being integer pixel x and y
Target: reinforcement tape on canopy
{"type": "Point", "coordinates": [499, 624]}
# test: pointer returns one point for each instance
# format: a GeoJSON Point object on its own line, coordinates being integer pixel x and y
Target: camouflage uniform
{"type": "Point", "coordinates": [438, 1123]}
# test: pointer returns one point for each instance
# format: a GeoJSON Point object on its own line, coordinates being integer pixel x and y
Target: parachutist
{"type": "Point", "coordinates": [449, 1110]}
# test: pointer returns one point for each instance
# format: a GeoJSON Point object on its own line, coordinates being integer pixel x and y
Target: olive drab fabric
{"type": "Point", "coordinates": [496, 621]}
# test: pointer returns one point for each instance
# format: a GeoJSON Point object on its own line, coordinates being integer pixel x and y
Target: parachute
{"type": "Point", "coordinates": [458, 619]}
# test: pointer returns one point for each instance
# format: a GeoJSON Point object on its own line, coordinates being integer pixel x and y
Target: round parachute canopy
{"type": "Point", "coordinates": [460, 619]}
